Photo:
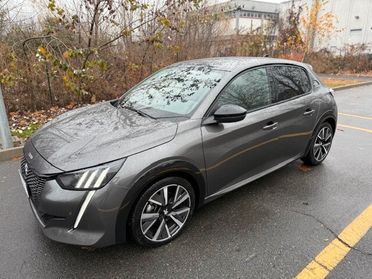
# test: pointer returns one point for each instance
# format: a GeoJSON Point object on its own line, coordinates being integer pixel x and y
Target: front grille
{"type": "Point", "coordinates": [35, 183]}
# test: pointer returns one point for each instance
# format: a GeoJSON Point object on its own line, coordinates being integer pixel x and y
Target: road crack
{"type": "Point", "coordinates": [332, 232]}
{"type": "Point", "coordinates": [322, 265]}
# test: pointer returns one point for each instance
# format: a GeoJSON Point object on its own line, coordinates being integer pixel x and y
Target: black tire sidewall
{"type": "Point", "coordinates": [310, 158]}
{"type": "Point", "coordinates": [136, 215]}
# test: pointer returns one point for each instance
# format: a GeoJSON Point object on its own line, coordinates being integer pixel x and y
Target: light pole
{"type": "Point", "coordinates": [5, 136]}
{"type": "Point", "coordinates": [237, 17]}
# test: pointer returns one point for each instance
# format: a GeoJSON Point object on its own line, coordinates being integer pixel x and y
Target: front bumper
{"type": "Point", "coordinates": [84, 218]}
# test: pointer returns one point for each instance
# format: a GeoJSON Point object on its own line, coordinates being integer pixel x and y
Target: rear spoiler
{"type": "Point", "coordinates": [309, 66]}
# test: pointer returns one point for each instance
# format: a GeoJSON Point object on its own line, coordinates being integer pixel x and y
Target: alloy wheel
{"type": "Point", "coordinates": [322, 144]}
{"type": "Point", "coordinates": [165, 213]}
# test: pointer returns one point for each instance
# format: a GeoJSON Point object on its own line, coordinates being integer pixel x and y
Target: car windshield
{"type": "Point", "coordinates": [172, 91]}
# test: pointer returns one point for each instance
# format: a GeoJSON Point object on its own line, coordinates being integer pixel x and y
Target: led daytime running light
{"type": "Point", "coordinates": [89, 177]}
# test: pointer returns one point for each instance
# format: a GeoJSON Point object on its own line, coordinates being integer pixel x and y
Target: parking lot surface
{"type": "Point", "coordinates": [272, 228]}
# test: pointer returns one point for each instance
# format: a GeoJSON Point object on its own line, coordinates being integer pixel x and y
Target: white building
{"type": "Point", "coordinates": [353, 19]}
{"type": "Point", "coordinates": [247, 16]}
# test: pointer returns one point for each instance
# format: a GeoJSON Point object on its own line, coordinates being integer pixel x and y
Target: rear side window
{"type": "Point", "coordinates": [250, 90]}
{"type": "Point", "coordinates": [288, 82]}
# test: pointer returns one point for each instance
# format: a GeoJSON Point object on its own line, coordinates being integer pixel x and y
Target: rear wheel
{"type": "Point", "coordinates": [163, 211]}
{"type": "Point", "coordinates": [320, 145]}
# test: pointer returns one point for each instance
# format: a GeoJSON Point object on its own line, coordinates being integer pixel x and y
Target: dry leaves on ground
{"type": "Point", "coordinates": [24, 123]}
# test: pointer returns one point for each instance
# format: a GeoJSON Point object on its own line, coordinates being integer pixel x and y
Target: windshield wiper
{"type": "Point", "coordinates": [140, 112]}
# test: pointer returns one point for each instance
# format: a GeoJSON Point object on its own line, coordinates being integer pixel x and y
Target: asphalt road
{"type": "Point", "coordinates": [271, 228]}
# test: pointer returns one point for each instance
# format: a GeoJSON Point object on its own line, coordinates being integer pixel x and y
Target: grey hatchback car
{"type": "Point", "coordinates": [137, 167]}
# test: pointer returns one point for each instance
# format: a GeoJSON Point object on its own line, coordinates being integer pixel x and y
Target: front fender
{"type": "Point", "coordinates": [155, 172]}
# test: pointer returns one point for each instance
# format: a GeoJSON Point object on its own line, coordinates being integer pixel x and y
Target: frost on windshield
{"type": "Point", "coordinates": [175, 90]}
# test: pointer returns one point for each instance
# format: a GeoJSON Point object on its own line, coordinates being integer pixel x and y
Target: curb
{"type": "Point", "coordinates": [348, 76]}
{"type": "Point", "coordinates": [11, 153]}
{"type": "Point", "coordinates": [339, 88]}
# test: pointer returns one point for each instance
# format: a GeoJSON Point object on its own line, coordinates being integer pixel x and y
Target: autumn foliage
{"type": "Point", "coordinates": [97, 52]}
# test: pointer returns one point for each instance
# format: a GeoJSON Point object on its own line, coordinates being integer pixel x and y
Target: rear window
{"type": "Point", "coordinates": [289, 82]}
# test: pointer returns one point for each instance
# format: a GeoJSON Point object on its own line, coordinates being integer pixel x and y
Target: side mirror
{"type": "Point", "coordinates": [229, 113]}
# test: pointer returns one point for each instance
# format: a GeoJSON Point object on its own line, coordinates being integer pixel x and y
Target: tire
{"type": "Point", "coordinates": [320, 145]}
{"type": "Point", "coordinates": [157, 220]}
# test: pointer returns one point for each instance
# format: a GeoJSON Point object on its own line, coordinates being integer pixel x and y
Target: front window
{"type": "Point", "coordinates": [250, 90]}
{"type": "Point", "coordinates": [173, 91]}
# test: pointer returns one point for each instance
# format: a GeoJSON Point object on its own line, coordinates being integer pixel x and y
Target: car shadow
{"type": "Point", "coordinates": [248, 202]}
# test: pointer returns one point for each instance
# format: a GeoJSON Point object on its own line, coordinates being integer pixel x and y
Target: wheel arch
{"type": "Point", "coordinates": [329, 117]}
{"type": "Point", "coordinates": [332, 121]}
{"type": "Point", "coordinates": [174, 167]}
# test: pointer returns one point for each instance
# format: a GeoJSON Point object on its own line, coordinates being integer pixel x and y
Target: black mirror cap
{"type": "Point", "coordinates": [229, 114]}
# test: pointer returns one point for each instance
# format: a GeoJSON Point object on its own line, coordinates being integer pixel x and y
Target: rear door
{"type": "Point", "coordinates": [297, 109]}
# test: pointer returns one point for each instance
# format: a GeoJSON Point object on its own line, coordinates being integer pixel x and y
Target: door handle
{"type": "Point", "coordinates": [270, 126]}
{"type": "Point", "coordinates": [309, 111]}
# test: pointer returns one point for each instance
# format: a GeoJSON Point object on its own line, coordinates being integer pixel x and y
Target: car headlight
{"type": "Point", "coordinates": [91, 178]}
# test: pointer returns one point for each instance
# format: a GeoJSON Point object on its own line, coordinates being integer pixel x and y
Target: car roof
{"type": "Point", "coordinates": [237, 63]}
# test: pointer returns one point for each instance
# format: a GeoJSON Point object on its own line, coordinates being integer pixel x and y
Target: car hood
{"type": "Point", "coordinates": [98, 134]}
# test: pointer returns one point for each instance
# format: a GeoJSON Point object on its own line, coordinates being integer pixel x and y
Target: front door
{"type": "Point", "coordinates": [235, 152]}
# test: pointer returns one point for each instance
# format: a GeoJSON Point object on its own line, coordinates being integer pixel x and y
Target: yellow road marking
{"type": "Point", "coordinates": [356, 116]}
{"type": "Point", "coordinates": [355, 128]}
{"type": "Point", "coordinates": [334, 253]}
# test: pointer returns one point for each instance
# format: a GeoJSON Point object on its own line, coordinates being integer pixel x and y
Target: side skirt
{"type": "Point", "coordinates": [250, 179]}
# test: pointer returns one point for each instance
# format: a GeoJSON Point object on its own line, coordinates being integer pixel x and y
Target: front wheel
{"type": "Point", "coordinates": [163, 211]}
{"type": "Point", "coordinates": [320, 145]}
